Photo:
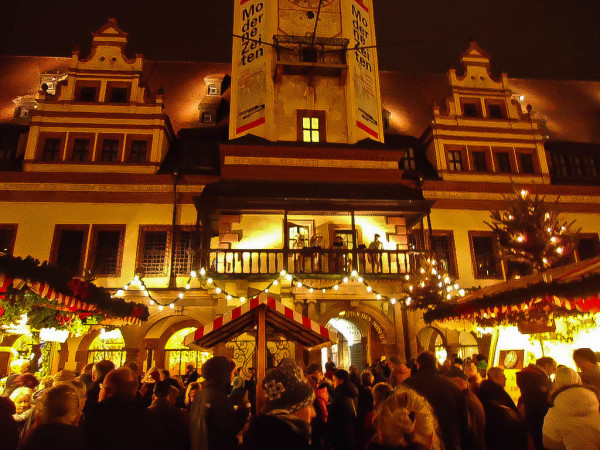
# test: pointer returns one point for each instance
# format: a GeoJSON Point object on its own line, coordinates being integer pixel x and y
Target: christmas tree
{"type": "Point", "coordinates": [530, 232]}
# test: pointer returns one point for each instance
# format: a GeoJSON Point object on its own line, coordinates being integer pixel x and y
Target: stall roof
{"type": "Point", "coordinates": [279, 318]}
{"type": "Point", "coordinates": [567, 290]}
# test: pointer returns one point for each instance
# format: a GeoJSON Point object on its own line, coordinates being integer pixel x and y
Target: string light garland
{"type": "Point", "coordinates": [424, 289]}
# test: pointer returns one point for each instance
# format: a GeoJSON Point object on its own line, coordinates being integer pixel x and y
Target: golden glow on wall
{"type": "Point", "coordinates": [511, 339]}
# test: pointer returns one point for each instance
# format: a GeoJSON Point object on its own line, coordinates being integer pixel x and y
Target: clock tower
{"type": "Point", "coordinates": [305, 70]}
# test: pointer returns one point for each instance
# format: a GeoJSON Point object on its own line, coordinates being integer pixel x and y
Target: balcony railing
{"type": "Point", "coordinates": [308, 261]}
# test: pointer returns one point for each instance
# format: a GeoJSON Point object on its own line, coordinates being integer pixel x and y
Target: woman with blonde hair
{"type": "Point", "coordinates": [190, 394]}
{"type": "Point", "coordinates": [406, 421]}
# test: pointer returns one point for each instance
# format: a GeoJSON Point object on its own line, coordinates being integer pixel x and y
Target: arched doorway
{"type": "Point", "coordinates": [431, 339]}
{"type": "Point", "coordinates": [178, 356]}
{"type": "Point", "coordinates": [467, 345]}
{"type": "Point", "coordinates": [349, 350]}
{"type": "Point", "coordinates": [108, 345]}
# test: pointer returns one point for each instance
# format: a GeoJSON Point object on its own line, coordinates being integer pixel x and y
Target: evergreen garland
{"type": "Point", "coordinates": [60, 280]}
{"type": "Point", "coordinates": [588, 286]}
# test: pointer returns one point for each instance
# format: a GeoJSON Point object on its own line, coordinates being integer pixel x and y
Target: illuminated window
{"type": "Point", "coordinates": [177, 355]}
{"type": "Point", "coordinates": [110, 346]}
{"type": "Point", "coordinates": [442, 243]}
{"type": "Point", "coordinates": [311, 126]}
{"type": "Point", "coordinates": [310, 129]}
{"type": "Point", "coordinates": [455, 160]}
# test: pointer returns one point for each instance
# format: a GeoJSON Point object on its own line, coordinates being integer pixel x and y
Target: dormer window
{"type": "Point", "coordinates": [470, 110]}
{"type": "Point", "coordinates": [119, 95]}
{"type": "Point", "coordinates": [455, 160]}
{"type": "Point", "coordinates": [213, 89]}
{"type": "Point", "coordinates": [495, 111]}
{"type": "Point", "coordinates": [87, 93]}
{"type": "Point", "coordinates": [311, 126]}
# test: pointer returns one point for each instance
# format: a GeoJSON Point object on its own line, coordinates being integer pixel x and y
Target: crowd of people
{"type": "Point", "coordinates": [390, 405]}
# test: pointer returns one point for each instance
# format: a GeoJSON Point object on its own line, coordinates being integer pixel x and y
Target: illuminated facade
{"type": "Point", "coordinates": [125, 166]}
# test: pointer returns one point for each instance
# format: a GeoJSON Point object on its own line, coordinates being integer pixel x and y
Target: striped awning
{"type": "Point", "coordinates": [279, 318]}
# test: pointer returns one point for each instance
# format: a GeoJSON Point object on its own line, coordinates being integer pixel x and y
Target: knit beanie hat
{"type": "Point", "coordinates": [217, 368]}
{"type": "Point", "coordinates": [565, 376]}
{"type": "Point", "coordinates": [286, 389]}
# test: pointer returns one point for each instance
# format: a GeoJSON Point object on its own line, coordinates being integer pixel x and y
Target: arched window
{"type": "Point", "coordinates": [108, 345]}
{"type": "Point", "coordinates": [177, 355]}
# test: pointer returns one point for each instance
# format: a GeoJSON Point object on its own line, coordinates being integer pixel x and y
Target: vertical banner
{"type": "Point", "coordinates": [362, 62]}
{"type": "Point", "coordinates": [249, 71]}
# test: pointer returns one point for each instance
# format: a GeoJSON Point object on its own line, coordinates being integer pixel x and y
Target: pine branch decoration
{"type": "Point", "coordinates": [531, 232]}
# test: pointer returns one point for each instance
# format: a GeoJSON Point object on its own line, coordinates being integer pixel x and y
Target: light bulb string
{"type": "Point", "coordinates": [445, 286]}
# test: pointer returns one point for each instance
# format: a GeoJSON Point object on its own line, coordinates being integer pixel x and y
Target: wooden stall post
{"type": "Point", "coordinates": [261, 349]}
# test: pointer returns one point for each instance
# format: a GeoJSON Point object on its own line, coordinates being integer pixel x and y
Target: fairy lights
{"type": "Point", "coordinates": [428, 278]}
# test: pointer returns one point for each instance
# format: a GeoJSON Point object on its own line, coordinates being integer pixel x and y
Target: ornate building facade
{"type": "Point", "coordinates": [277, 173]}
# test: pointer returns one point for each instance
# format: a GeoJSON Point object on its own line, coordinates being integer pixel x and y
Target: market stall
{"type": "Point", "coordinates": [545, 314]}
{"type": "Point", "coordinates": [47, 302]}
{"type": "Point", "coordinates": [262, 316]}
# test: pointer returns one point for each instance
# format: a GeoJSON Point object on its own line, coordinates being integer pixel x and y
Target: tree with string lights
{"type": "Point", "coordinates": [531, 232]}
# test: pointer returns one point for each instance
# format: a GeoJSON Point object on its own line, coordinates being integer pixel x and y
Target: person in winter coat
{"type": "Point", "coordinates": [504, 425]}
{"type": "Point", "coordinates": [586, 360]}
{"type": "Point", "coordinates": [535, 385]}
{"type": "Point", "coordinates": [318, 425]}
{"type": "Point", "coordinates": [573, 420]}
{"type": "Point", "coordinates": [343, 412]}
{"type": "Point", "coordinates": [9, 429]}
{"type": "Point", "coordinates": [118, 421]}
{"type": "Point", "coordinates": [57, 413]}
{"type": "Point", "coordinates": [213, 421]}
{"type": "Point", "coordinates": [381, 391]}
{"type": "Point", "coordinates": [168, 418]}
{"type": "Point", "coordinates": [284, 422]}
{"type": "Point", "coordinates": [474, 408]}
{"type": "Point", "coordinates": [406, 421]}
{"type": "Point", "coordinates": [99, 372]}
{"type": "Point", "coordinates": [446, 399]}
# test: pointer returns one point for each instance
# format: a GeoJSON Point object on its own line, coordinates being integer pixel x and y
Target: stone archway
{"type": "Point", "coordinates": [379, 341]}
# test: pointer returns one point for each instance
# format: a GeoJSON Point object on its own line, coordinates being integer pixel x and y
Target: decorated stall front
{"type": "Point", "coordinates": [265, 318]}
{"type": "Point", "coordinates": [47, 304]}
{"type": "Point", "coordinates": [546, 314]}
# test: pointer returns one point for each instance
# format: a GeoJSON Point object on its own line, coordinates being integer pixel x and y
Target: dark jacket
{"type": "Point", "coordinates": [91, 398]}
{"type": "Point", "coordinates": [213, 422]}
{"type": "Point", "coordinates": [171, 421]}
{"type": "Point", "coordinates": [476, 420]}
{"type": "Point", "coordinates": [120, 423]}
{"type": "Point", "coordinates": [448, 403]}
{"type": "Point", "coordinates": [591, 377]}
{"type": "Point", "coordinates": [191, 377]}
{"type": "Point", "coordinates": [342, 417]}
{"type": "Point", "coordinates": [277, 432]}
{"type": "Point", "coordinates": [54, 436]}
{"type": "Point", "coordinates": [535, 386]}
{"type": "Point", "coordinates": [504, 425]}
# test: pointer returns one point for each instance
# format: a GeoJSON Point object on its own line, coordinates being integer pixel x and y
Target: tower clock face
{"type": "Point", "coordinates": [297, 17]}
{"type": "Point", "coordinates": [310, 4]}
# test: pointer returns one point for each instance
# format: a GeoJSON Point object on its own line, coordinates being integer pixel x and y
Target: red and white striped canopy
{"type": "Point", "coordinates": [279, 318]}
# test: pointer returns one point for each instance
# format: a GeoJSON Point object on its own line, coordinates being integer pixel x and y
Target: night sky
{"type": "Point", "coordinates": [526, 38]}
